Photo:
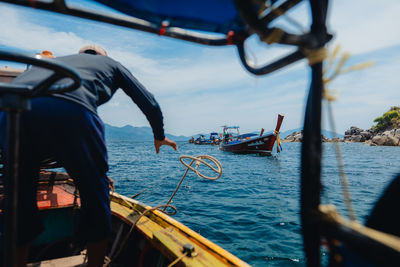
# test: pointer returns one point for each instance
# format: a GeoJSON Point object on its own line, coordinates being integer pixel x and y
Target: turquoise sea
{"type": "Point", "coordinates": [253, 209]}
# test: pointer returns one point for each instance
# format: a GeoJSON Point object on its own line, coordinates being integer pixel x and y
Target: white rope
{"type": "Point", "coordinates": [198, 160]}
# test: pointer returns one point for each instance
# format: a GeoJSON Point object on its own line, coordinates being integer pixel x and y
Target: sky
{"type": "Point", "coordinates": [201, 88]}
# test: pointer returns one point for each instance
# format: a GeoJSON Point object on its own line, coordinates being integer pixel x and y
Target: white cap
{"type": "Point", "coordinates": [98, 49]}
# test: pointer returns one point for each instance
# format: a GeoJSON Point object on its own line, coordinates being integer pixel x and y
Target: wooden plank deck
{"type": "Point", "coordinates": [73, 261]}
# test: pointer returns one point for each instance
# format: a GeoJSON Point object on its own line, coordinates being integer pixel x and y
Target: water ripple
{"type": "Point", "coordinates": [253, 209]}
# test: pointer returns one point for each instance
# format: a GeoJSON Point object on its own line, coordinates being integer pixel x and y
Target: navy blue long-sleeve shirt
{"type": "Point", "coordinates": [101, 77]}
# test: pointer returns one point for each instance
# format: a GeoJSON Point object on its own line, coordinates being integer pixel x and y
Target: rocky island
{"type": "Point", "coordinates": [298, 137]}
{"type": "Point", "coordinates": [386, 132]}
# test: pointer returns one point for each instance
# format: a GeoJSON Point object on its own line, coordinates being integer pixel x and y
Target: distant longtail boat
{"type": "Point", "coordinates": [245, 144]}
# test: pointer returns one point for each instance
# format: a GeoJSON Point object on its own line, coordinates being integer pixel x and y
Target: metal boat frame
{"type": "Point", "coordinates": [315, 224]}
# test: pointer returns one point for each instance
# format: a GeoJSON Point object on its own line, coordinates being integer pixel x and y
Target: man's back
{"type": "Point", "coordinates": [101, 77]}
{"type": "Point", "coordinates": [97, 73]}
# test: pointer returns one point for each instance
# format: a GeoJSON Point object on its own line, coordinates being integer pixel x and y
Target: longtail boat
{"type": "Point", "coordinates": [214, 23]}
{"type": "Point", "coordinates": [212, 140]}
{"type": "Point", "coordinates": [262, 144]}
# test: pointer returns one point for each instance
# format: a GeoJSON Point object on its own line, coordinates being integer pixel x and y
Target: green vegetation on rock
{"type": "Point", "coordinates": [389, 120]}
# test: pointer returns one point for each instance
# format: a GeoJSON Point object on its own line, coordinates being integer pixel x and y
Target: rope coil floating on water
{"type": "Point", "coordinates": [198, 160]}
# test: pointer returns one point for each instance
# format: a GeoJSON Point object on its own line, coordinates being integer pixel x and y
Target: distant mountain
{"type": "Point", "coordinates": [326, 133]}
{"type": "Point", "coordinates": [132, 133]}
{"type": "Point", "coordinates": [330, 134]}
{"type": "Point", "coordinates": [286, 133]}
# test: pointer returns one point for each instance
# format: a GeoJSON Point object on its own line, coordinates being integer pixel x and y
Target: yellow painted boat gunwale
{"type": "Point", "coordinates": [166, 221]}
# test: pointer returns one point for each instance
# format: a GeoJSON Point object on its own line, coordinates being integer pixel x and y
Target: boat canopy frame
{"type": "Point", "coordinates": [226, 130]}
{"type": "Point", "coordinates": [312, 221]}
{"type": "Point", "coordinates": [237, 35]}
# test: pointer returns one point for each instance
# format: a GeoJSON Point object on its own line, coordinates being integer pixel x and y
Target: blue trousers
{"type": "Point", "coordinates": [73, 136]}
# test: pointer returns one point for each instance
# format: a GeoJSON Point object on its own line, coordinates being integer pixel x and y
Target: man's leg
{"type": "Point", "coordinates": [23, 253]}
{"type": "Point", "coordinates": [96, 252]}
{"type": "Point", "coordinates": [95, 211]}
{"type": "Point", "coordinates": [80, 148]}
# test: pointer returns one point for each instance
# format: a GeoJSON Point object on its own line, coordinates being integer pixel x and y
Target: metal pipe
{"type": "Point", "coordinates": [271, 67]}
{"type": "Point", "coordinates": [11, 174]}
{"type": "Point", "coordinates": [129, 22]}
{"type": "Point", "coordinates": [311, 150]}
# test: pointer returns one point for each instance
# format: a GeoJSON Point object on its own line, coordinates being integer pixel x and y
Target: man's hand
{"type": "Point", "coordinates": [111, 184]}
{"type": "Point", "coordinates": [166, 141]}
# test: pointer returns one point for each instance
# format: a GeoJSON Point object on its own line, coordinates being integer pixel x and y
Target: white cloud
{"type": "Point", "coordinates": [364, 25]}
{"type": "Point", "coordinates": [201, 88]}
{"type": "Point", "coordinates": [16, 32]}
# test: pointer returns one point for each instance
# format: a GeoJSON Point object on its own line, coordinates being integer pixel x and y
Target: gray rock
{"type": "Point", "coordinates": [366, 135]}
{"type": "Point", "coordinates": [298, 136]}
{"type": "Point", "coordinates": [354, 130]}
{"type": "Point", "coordinates": [386, 138]}
{"type": "Point", "coordinates": [379, 140]}
{"type": "Point", "coordinates": [391, 141]}
{"type": "Point", "coordinates": [357, 138]}
{"type": "Point", "coordinates": [397, 133]}
{"type": "Point", "coordinates": [347, 136]}
{"type": "Point", "coordinates": [369, 142]}
{"type": "Point", "coordinates": [289, 138]}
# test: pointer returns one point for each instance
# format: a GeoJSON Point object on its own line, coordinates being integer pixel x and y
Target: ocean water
{"type": "Point", "coordinates": [253, 209]}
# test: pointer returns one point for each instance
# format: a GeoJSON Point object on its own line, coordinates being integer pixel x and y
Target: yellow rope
{"type": "Point", "coordinates": [128, 235]}
{"type": "Point", "coordinates": [339, 69]}
{"type": "Point", "coordinates": [264, 5]}
{"type": "Point", "coordinates": [315, 56]}
{"type": "Point", "coordinates": [177, 260]}
{"type": "Point", "coordinates": [329, 96]}
{"type": "Point", "coordinates": [342, 173]}
{"type": "Point", "coordinates": [278, 141]}
{"type": "Point", "coordinates": [274, 36]}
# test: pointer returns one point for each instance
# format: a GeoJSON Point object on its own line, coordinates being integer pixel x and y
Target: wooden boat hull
{"type": "Point", "coordinates": [153, 239]}
{"type": "Point", "coordinates": [260, 145]}
{"type": "Point", "coordinates": [212, 143]}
